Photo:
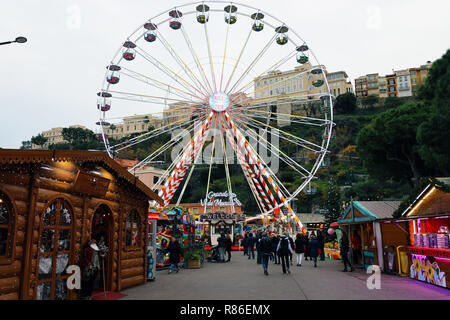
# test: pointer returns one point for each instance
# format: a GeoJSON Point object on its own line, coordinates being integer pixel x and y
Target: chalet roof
{"type": "Point", "coordinates": [16, 156]}
{"type": "Point", "coordinates": [431, 201]}
{"type": "Point", "coordinates": [369, 211]}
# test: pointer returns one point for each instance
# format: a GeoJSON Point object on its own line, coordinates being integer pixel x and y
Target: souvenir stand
{"type": "Point", "coordinates": [171, 222]}
{"type": "Point", "coordinates": [429, 225]}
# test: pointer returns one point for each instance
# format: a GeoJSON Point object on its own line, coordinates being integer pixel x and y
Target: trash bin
{"type": "Point", "coordinates": [389, 259]}
{"type": "Point", "coordinates": [403, 261]}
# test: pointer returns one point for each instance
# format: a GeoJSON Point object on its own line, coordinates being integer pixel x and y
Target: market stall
{"type": "Point", "coordinates": [429, 225]}
{"type": "Point", "coordinates": [171, 222]}
{"type": "Point", "coordinates": [361, 221]}
{"type": "Point", "coordinates": [52, 202]}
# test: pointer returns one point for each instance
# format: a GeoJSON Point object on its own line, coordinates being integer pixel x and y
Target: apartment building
{"type": "Point", "coordinates": [339, 83]}
{"type": "Point", "coordinates": [401, 83]}
{"type": "Point", "coordinates": [418, 75]}
{"type": "Point", "coordinates": [54, 136]}
{"type": "Point", "coordinates": [133, 125]}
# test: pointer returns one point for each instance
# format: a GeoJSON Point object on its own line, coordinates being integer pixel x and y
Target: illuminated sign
{"type": "Point", "coordinates": [211, 200]}
{"type": "Point", "coordinates": [222, 216]}
{"type": "Point", "coordinates": [432, 252]}
{"type": "Point", "coordinates": [219, 101]}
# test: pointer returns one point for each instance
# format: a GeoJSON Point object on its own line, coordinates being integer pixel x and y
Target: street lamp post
{"type": "Point", "coordinates": [18, 40]}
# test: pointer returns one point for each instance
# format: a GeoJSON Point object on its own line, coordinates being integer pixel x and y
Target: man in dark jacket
{"type": "Point", "coordinates": [250, 248]}
{"type": "Point", "coordinates": [221, 241]}
{"type": "Point", "coordinates": [275, 241]}
{"type": "Point", "coordinates": [306, 247]}
{"type": "Point", "coordinates": [228, 247]}
{"type": "Point", "coordinates": [245, 244]}
{"type": "Point", "coordinates": [258, 251]}
{"type": "Point", "coordinates": [265, 247]}
{"type": "Point", "coordinates": [174, 250]}
{"type": "Point", "coordinates": [321, 240]}
{"type": "Point", "coordinates": [345, 247]}
{"type": "Point", "coordinates": [314, 249]}
{"type": "Point", "coordinates": [283, 249]}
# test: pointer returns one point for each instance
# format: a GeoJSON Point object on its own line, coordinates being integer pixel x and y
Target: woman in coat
{"type": "Point", "coordinates": [314, 249]}
{"type": "Point", "coordinates": [174, 250]}
{"type": "Point", "coordinates": [299, 248]}
{"type": "Point", "coordinates": [228, 246]}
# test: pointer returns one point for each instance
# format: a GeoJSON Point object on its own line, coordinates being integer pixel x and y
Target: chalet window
{"type": "Point", "coordinates": [6, 227]}
{"type": "Point", "coordinates": [54, 251]}
{"type": "Point", "coordinates": [132, 230]}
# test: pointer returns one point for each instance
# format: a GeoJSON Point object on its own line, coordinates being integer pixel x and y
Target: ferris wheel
{"type": "Point", "coordinates": [213, 69]}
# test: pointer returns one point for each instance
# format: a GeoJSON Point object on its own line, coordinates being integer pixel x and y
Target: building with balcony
{"type": "Point", "coordinates": [135, 124]}
{"type": "Point", "coordinates": [54, 136]}
{"type": "Point", "coordinates": [417, 76]}
{"type": "Point", "coordinates": [403, 83]}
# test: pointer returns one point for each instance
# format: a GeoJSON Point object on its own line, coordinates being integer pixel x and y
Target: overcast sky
{"type": "Point", "coordinates": [51, 80]}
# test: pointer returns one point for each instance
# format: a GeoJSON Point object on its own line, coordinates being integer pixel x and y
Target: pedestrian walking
{"type": "Point", "coordinates": [265, 247]}
{"type": "Point", "coordinates": [291, 241]}
{"type": "Point", "coordinates": [306, 247]}
{"type": "Point", "coordinates": [250, 248]}
{"type": "Point", "coordinates": [283, 249]}
{"type": "Point", "coordinates": [321, 240]}
{"type": "Point", "coordinates": [221, 241]}
{"type": "Point", "coordinates": [174, 250]}
{"type": "Point", "coordinates": [228, 245]}
{"type": "Point", "coordinates": [314, 249]}
{"type": "Point", "coordinates": [275, 239]}
{"type": "Point", "coordinates": [244, 243]}
{"type": "Point", "coordinates": [258, 251]}
{"type": "Point", "coordinates": [345, 247]}
{"type": "Point", "coordinates": [299, 248]}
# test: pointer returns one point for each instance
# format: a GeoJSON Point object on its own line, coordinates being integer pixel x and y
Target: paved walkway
{"type": "Point", "coordinates": [243, 279]}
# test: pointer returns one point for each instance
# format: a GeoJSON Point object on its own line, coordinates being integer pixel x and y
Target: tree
{"type": "Point", "coordinates": [79, 138]}
{"type": "Point", "coordinates": [433, 132]}
{"type": "Point", "coordinates": [39, 140]}
{"type": "Point", "coordinates": [370, 101]}
{"type": "Point", "coordinates": [333, 203]}
{"type": "Point", "coordinates": [388, 144]}
{"type": "Point", "coordinates": [345, 103]}
{"type": "Point", "coordinates": [26, 144]}
{"type": "Point", "coordinates": [392, 102]}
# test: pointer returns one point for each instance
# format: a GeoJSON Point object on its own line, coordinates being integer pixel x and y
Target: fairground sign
{"type": "Point", "coordinates": [222, 216]}
{"type": "Point", "coordinates": [213, 201]}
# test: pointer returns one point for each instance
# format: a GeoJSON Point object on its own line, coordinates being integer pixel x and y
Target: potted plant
{"type": "Point", "coordinates": [193, 258]}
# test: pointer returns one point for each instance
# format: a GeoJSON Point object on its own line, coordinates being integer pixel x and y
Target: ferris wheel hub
{"type": "Point", "coordinates": [219, 101]}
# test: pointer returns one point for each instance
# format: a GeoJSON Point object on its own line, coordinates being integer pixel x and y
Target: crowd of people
{"type": "Point", "coordinates": [281, 248]}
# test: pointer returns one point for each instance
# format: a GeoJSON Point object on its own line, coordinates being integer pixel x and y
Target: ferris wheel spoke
{"type": "Point", "coordinates": [249, 175]}
{"type": "Point", "coordinates": [169, 72]}
{"type": "Point", "coordinates": [196, 59]}
{"type": "Point", "coordinates": [173, 181]}
{"type": "Point", "coordinates": [161, 85]}
{"type": "Point", "coordinates": [151, 99]}
{"type": "Point", "coordinates": [258, 161]}
{"type": "Point", "coordinates": [199, 152]}
{"type": "Point", "coordinates": [238, 111]}
{"type": "Point", "coordinates": [271, 68]}
{"type": "Point", "coordinates": [157, 131]}
{"type": "Point", "coordinates": [224, 56]}
{"type": "Point", "coordinates": [145, 137]}
{"type": "Point", "coordinates": [252, 64]}
{"type": "Point", "coordinates": [227, 172]}
{"type": "Point", "coordinates": [295, 138]}
{"type": "Point", "coordinates": [238, 60]}
{"type": "Point", "coordinates": [309, 120]}
{"type": "Point", "coordinates": [288, 160]}
{"type": "Point", "coordinates": [211, 63]}
{"type": "Point", "coordinates": [256, 164]}
{"type": "Point", "coordinates": [181, 63]}
{"type": "Point", "coordinates": [163, 148]}
{"type": "Point", "coordinates": [295, 76]}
